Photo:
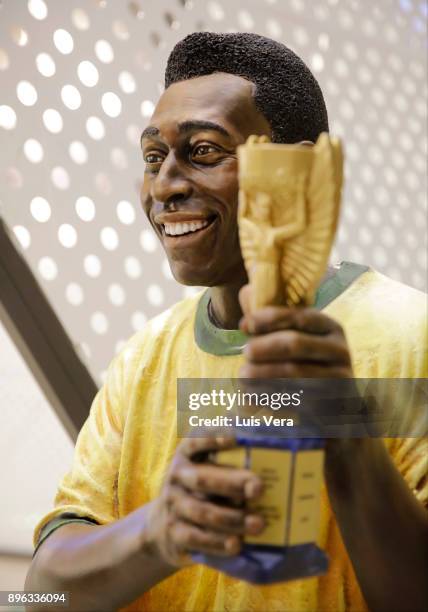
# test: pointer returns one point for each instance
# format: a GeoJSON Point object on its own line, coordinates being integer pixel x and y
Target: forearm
{"type": "Point", "coordinates": [384, 527]}
{"type": "Point", "coordinates": [103, 567]}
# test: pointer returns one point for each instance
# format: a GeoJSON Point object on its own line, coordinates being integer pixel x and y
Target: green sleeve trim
{"type": "Point", "coordinates": [224, 342]}
{"type": "Point", "coordinates": [59, 521]}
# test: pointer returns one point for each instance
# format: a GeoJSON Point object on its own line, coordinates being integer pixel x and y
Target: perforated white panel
{"type": "Point", "coordinates": [78, 83]}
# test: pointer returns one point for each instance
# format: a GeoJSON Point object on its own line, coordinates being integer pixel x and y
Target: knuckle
{"type": "Point", "coordinates": [292, 342]}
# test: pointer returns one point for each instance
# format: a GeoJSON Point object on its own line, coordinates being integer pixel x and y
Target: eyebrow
{"type": "Point", "coordinates": [188, 126]}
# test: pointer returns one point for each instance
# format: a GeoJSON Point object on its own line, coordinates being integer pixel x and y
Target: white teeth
{"type": "Point", "coordinates": [178, 229]}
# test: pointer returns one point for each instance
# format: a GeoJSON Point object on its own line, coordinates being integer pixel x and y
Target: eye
{"type": "Point", "coordinates": [153, 158]}
{"type": "Point", "coordinates": [204, 149]}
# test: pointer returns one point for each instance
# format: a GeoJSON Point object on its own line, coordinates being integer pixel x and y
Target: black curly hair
{"type": "Point", "coordinates": [286, 92]}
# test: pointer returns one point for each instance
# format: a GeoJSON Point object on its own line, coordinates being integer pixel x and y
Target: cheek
{"type": "Point", "coordinates": [145, 198]}
{"type": "Point", "coordinates": [223, 185]}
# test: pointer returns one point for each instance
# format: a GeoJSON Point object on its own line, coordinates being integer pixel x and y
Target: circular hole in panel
{"type": "Point", "coordinates": [215, 11]}
{"type": "Point", "coordinates": [78, 152]}
{"type": "Point", "coordinates": [148, 241]}
{"type": "Point", "coordinates": [125, 212]}
{"type": "Point", "coordinates": [104, 51]}
{"type": "Point", "coordinates": [80, 19]}
{"type": "Point", "coordinates": [341, 68]}
{"type": "Point", "coordinates": [87, 73]}
{"type": "Point", "coordinates": [4, 60]}
{"type": "Point", "coordinates": [26, 93]}
{"type": "Point", "coordinates": [116, 294]}
{"type": "Point", "coordinates": [7, 117]}
{"type": "Point", "coordinates": [111, 104]}
{"type": "Point", "coordinates": [67, 235]}
{"type": "Point", "coordinates": [92, 265]}
{"type": "Point", "coordinates": [63, 41]}
{"type": "Point", "coordinates": [132, 267]}
{"type": "Point", "coordinates": [120, 30]}
{"type": "Point", "coordinates": [119, 346]}
{"type": "Point", "coordinates": [118, 158]}
{"type": "Point", "coordinates": [133, 133]}
{"type": "Point", "coordinates": [40, 209]}
{"type": "Point", "coordinates": [171, 21]}
{"type": "Point", "coordinates": [245, 20]}
{"type": "Point", "coordinates": [45, 65]}
{"type": "Point", "coordinates": [380, 256]}
{"type": "Point", "coordinates": [166, 269]}
{"type": "Point", "coordinates": [95, 128]}
{"type": "Point", "coordinates": [155, 295]}
{"type": "Point", "coordinates": [127, 82]}
{"type": "Point", "coordinates": [365, 236]}
{"type": "Point", "coordinates": [71, 97]}
{"type": "Point", "coordinates": [109, 238]}
{"type": "Point", "coordinates": [85, 208]}
{"type": "Point", "coordinates": [301, 36]}
{"type": "Point", "coordinates": [155, 39]}
{"type": "Point", "coordinates": [52, 120]}
{"type": "Point", "coordinates": [273, 28]}
{"type": "Point", "coordinates": [147, 108]}
{"type": "Point", "coordinates": [60, 178]}
{"type": "Point", "coordinates": [37, 9]}
{"type": "Point", "coordinates": [103, 183]}
{"type": "Point", "coordinates": [74, 294]}
{"type": "Point", "coordinates": [99, 322]}
{"type": "Point", "coordinates": [403, 258]}
{"type": "Point", "coordinates": [138, 320]}
{"type": "Point", "coordinates": [324, 41]}
{"type": "Point", "coordinates": [317, 62]}
{"type": "Point", "coordinates": [19, 36]}
{"type": "Point", "coordinates": [47, 268]}
{"type": "Point", "coordinates": [136, 9]}
{"type": "Point", "coordinates": [23, 236]}
{"type": "Point", "coordinates": [33, 150]}
{"type": "Point", "coordinates": [14, 178]}
{"type": "Point", "coordinates": [387, 236]}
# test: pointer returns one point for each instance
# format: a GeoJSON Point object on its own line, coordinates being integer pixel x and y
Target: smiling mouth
{"type": "Point", "coordinates": [186, 228]}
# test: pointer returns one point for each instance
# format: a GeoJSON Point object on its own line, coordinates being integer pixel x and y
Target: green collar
{"type": "Point", "coordinates": [212, 339]}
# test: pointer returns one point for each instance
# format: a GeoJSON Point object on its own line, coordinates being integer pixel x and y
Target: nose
{"type": "Point", "coordinates": [170, 184]}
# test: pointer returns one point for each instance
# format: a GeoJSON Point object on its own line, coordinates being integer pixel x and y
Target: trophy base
{"type": "Point", "coordinates": [270, 564]}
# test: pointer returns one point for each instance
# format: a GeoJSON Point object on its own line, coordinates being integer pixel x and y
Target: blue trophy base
{"type": "Point", "coordinates": [270, 564]}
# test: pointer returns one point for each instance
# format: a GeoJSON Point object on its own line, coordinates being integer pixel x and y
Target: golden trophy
{"type": "Point", "coordinates": [289, 201]}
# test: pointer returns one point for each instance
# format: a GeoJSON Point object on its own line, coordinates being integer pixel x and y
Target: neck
{"type": "Point", "coordinates": [225, 303]}
{"type": "Point", "coordinates": [225, 300]}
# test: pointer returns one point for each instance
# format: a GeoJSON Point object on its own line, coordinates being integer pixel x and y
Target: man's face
{"type": "Point", "coordinates": [190, 189]}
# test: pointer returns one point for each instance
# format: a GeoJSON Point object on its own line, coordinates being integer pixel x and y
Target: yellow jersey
{"type": "Point", "coordinates": [126, 445]}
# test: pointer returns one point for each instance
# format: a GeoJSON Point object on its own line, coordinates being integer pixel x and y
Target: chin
{"type": "Point", "coordinates": [195, 276]}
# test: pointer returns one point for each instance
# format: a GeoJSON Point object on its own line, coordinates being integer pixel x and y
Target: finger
{"type": "Point", "coordinates": [217, 518]}
{"type": "Point", "coordinates": [291, 369]}
{"type": "Point", "coordinates": [215, 480]}
{"type": "Point", "coordinates": [290, 345]}
{"type": "Point", "coordinates": [274, 318]}
{"type": "Point", "coordinates": [193, 446]}
{"type": "Point", "coordinates": [245, 299]}
{"type": "Point", "coordinates": [187, 537]}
